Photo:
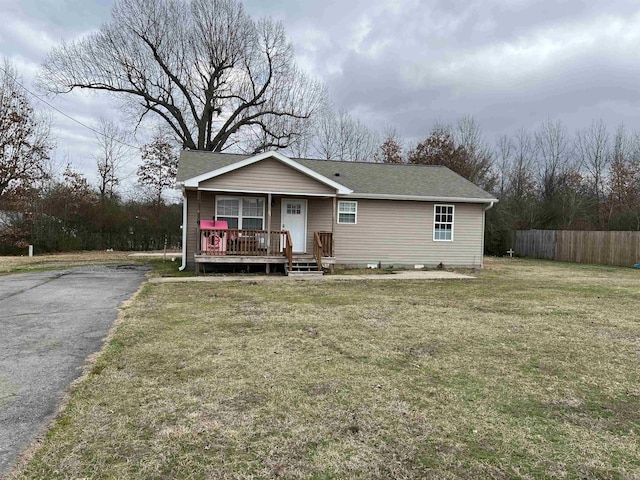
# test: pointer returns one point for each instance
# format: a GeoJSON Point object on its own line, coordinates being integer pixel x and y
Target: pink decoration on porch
{"type": "Point", "coordinates": [214, 242]}
{"type": "Point", "coordinates": [213, 225]}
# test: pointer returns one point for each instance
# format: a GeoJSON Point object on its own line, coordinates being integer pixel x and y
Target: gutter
{"type": "Point", "coordinates": [184, 231]}
{"type": "Point", "coordinates": [484, 220]}
{"type": "Point", "coordinates": [419, 198]}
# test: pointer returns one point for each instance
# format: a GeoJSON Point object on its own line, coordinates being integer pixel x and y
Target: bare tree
{"type": "Point", "coordinates": [468, 135]}
{"type": "Point", "coordinates": [24, 136]}
{"type": "Point", "coordinates": [521, 176]}
{"type": "Point", "coordinates": [111, 153]}
{"type": "Point", "coordinates": [213, 74]}
{"type": "Point", "coordinates": [159, 166]}
{"type": "Point", "coordinates": [592, 147]}
{"type": "Point", "coordinates": [623, 182]}
{"type": "Point", "coordinates": [554, 157]}
{"type": "Point", "coordinates": [301, 146]}
{"type": "Point", "coordinates": [521, 185]}
{"type": "Point", "coordinates": [504, 159]}
{"type": "Point", "coordinates": [341, 137]}
{"type": "Point", "coordinates": [325, 142]}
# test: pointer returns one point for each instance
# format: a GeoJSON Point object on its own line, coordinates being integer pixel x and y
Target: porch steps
{"type": "Point", "coordinates": [304, 267]}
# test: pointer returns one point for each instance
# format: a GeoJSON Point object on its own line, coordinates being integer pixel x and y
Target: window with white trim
{"type": "Point", "coordinates": [347, 212]}
{"type": "Point", "coordinates": [241, 212]}
{"type": "Point", "coordinates": [443, 223]}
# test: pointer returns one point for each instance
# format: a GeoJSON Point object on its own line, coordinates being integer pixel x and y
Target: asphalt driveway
{"type": "Point", "coordinates": [49, 323]}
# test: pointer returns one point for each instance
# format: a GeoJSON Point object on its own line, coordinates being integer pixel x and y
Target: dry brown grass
{"type": "Point", "coordinates": [531, 371]}
{"type": "Point", "coordinates": [16, 264]}
{"type": "Point", "coordinates": [60, 260]}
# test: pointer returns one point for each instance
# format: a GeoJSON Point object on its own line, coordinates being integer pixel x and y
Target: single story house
{"type": "Point", "coordinates": [305, 214]}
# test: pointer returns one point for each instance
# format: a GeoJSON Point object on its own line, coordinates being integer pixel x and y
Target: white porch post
{"type": "Point", "coordinates": [198, 243]}
{"type": "Point", "coordinates": [268, 229]}
{"type": "Point", "coordinates": [333, 218]}
{"type": "Point", "coordinates": [333, 231]}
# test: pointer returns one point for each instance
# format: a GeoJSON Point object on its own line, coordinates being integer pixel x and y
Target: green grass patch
{"type": "Point", "coordinates": [530, 371]}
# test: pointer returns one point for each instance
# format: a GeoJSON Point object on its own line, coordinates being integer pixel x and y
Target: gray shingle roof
{"type": "Point", "coordinates": [361, 177]}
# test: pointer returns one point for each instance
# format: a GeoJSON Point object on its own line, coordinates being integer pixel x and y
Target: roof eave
{"type": "Point", "coordinates": [422, 198]}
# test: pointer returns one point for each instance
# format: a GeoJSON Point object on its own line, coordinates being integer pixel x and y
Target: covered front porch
{"type": "Point", "coordinates": [296, 232]}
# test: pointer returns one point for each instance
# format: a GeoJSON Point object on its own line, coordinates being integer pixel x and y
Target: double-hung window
{"type": "Point", "coordinates": [347, 212]}
{"type": "Point", "coordinates": [246, 213]}
{"type": "Point", "coordinates": [443, 223]}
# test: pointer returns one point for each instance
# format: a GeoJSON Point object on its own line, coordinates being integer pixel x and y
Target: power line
{"type": "Point", "coordinates": [65, 114]}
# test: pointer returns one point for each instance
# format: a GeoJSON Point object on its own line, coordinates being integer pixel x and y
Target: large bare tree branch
{"type": "Point", "coordinates": [203, 66]}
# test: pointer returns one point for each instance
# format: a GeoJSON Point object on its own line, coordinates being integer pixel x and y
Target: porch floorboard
{"type": "Point", "coordinates": [256, 259]}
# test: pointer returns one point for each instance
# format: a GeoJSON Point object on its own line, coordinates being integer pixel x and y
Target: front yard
{"type": "Point", "coordinates": [530, 371]}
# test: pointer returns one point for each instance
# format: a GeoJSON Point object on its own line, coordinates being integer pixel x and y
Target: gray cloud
{"type": "Point", "coordinates": [510, 64]}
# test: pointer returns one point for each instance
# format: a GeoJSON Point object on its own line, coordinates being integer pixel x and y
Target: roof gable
{"type": "Point", "coordinates": [196, 180]}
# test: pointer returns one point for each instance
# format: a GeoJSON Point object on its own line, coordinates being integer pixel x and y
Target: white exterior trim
{"type": "Point", "coordinates": [193, 182]}
{"type": "Point", "coordinates": [355, 214]}
{"type": "Point", "coordinates": [418, 198]}
{"type": "Point", "coordinates": [453, 222]}
{"type": "Point", "coordinates": [363, 196]}
{"type": "Point", "coordinates": [264, 192]}
{"type": "Point", "coordinates": [306, 212]}
{"type": "Point", "coordinates": [240, 216]}
{"type": "Point", "coordinates": [184, 231]}
{"type": "Point", "coordinates": [484, 223]}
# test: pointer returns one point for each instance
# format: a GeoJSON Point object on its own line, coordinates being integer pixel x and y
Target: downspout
{"type": "Point", "coordinates": [184, 230]}
{"type": "Point", "coordinates": [484, 216]}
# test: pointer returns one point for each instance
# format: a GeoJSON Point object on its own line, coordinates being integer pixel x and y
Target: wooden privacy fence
{"type": "Point", "coordinates": [604, 248]}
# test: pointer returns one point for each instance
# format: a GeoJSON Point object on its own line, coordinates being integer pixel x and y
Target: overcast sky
{"type": "Point", "coordinates": [403, 63]}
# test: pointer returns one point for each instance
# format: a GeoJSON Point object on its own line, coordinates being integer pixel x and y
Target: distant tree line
{"type": "Point", "coordinates": [62, 211]}
{"type": "Point", "coordinates": [68, 214]}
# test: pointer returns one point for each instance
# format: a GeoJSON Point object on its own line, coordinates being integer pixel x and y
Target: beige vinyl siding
{"type": "Point", "coordinates": [268, 176]}
{"type": "Point", "coordinates": [392, 232]}
{"type": "Point", "coordinates": [207, 211]}
{"type": "Point", "coordinates": [275, 215]}
{"type": "Point", "coordinates": [401, 233]}
{"type": "Point", "coordinates": [319, 218]}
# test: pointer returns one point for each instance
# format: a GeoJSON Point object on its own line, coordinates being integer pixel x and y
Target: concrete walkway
{"type": "Point", "coordinates": [401, 275]}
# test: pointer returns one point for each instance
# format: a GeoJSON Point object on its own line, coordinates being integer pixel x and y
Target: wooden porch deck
{"type": "Point", "coordinates": [236, 246]}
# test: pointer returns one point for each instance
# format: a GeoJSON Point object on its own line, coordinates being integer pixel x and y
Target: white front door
{"type": "Point", "coordinates": [294, 219]}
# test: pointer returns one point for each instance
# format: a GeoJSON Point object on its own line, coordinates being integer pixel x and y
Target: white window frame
{"type": "Point", "coordinates": [354, 213]}
{"type": "Point", "coordinates": [452, 222]}
{"type": "Point", "coordinates": [240, 216]}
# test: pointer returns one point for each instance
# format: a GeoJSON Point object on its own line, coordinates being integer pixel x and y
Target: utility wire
{"type": "Point", "coordinates": [65, 114]}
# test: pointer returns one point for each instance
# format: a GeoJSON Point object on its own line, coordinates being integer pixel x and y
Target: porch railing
{"type": "Point", "coordinates": [243, 242]}
{"type": "Point", "coordinates": [326, 241]}
{"type": "Point", "coordinates": [322, 246]}
{"type": "Point", "coordinates": [288, 248]}
{"type": "Point", "coordinates": [317, 249]}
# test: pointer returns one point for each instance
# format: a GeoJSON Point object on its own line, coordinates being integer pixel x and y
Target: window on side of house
{"type": "Point", "coordinates": [347, 212]}
{"type": "Point", "coordinates": [246, 213]}
{"type": "Point", "coordinates": [443, 223]}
